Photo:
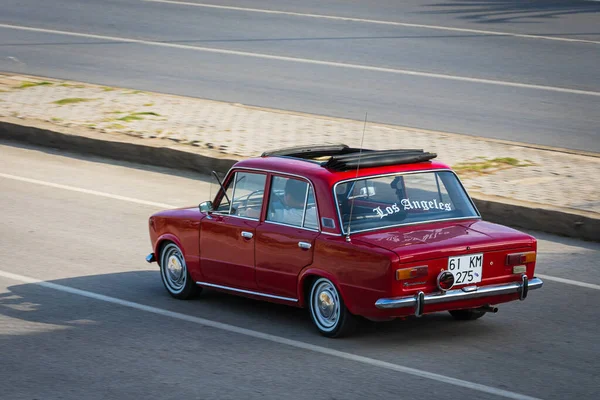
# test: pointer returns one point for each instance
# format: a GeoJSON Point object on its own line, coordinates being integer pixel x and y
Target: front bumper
{"type": "Point", "coordinates": [467, 293]}
{"type": "Point", "coordinates": [150, 258]}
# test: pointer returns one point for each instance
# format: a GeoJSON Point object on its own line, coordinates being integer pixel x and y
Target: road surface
{"type": "Point", "coordinates": [82, 315]}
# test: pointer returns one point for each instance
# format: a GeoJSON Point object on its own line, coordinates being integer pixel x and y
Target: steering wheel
{"type": "Point", "coordinates": [244, 203]}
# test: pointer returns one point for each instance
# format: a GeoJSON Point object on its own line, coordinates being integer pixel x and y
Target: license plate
{"type": "Point", "coordinates": [466, 269]}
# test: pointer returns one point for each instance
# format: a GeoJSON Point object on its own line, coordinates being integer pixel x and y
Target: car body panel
{"type": "Point", "coordinates": [227, 258]}
{"type": "Point", "coordinates": [280, 259]}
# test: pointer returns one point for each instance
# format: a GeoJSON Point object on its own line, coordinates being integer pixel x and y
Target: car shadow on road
{"type": "Point", "coordinates": [36, 304]}
{"type": "Point", "coordinates": [511, 11]}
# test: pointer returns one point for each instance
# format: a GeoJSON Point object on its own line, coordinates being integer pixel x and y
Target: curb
{"type": "Point", "coordinates": [499, 210]}
{"type": "Point", "coordinates": [160, 156]}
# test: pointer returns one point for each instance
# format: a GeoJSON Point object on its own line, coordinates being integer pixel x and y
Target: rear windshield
{"type": "Point", "coordinates": [384, 201]}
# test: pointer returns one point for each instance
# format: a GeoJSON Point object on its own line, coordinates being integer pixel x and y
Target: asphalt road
{"type": "Point", "coordinates": [100, 325]}
{"type": "Point", "coordinates": [432, 65]}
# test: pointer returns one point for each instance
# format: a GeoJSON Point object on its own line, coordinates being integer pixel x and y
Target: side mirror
{"type": "Point", "coordinates": [206, 206]}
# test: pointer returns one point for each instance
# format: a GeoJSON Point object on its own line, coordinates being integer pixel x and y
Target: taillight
{"type": "Point", "coordinates": [410, 273]}
{"type": "Point", "coordinates": [520, 258]}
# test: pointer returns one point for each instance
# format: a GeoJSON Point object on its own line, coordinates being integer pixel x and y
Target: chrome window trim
{"type": "Point", "coordinates": [292, 226]}
{"type": "Point", "coordinates": [331, 233]}
{"type": "Point", "coordinates": [412, 224]}
{"type": "Point", "coordinates": [272, 296]}
{"type": "Point", "coordinates": [337, 206]}
{"type": "Point", "coordinates": [305, 205]}
{"type": "Point", "coordinates": [235, 216]}
{"type": "Point", "coordinates": [233, 192]}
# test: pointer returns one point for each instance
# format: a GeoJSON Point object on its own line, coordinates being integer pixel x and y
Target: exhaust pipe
{"type": "Point", "coordinates": [489, 308]}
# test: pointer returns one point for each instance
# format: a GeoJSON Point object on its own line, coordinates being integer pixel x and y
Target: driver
{"type": "Point", "coordinates": [291, 214]}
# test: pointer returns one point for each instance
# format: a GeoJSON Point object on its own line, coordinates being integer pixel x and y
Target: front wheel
{"type": "Point", "coordinates": [174, 273]}
{"type": "Point", "coordinates": [467, 315]}
{"type": "Point", "coordinates": [328, 311]}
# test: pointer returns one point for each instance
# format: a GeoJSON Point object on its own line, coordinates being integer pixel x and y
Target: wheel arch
{"type": "Point", "coordinates": [164, 239]}
{"type": "Point", "coordinates": [308, 276]}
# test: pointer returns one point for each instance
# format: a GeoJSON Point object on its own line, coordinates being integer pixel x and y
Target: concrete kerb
{"type": "Point", "coordinates": [129, 150]}
{"type": "Point", "coordinates": [503, 211]}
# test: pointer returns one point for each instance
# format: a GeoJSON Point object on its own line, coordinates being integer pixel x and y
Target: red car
{"type": "Point", "coordinates": [345, 233]}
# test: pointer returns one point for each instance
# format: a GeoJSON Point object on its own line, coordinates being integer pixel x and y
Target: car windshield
{"type": "Point", "coordinates": [383, 201]}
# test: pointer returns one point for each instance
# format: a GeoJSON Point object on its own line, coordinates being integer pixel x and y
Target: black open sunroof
{"type": "Point", "coordinates": [344, 158]}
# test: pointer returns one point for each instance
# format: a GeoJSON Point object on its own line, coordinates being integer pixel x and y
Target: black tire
{"type": "Point", "coordinates": [467, 315]}
{"type": "Point", "coordinates": [328, 311]}
{"type": "Point", "coordinates": [174, 273]}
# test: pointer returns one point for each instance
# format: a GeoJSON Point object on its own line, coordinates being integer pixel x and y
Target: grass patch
{"type": "Point", "coordinates": [25, 85]}
{"type": "Point", "coordinates": [71, 100]}
{"type": "Point", "coordinates": [148, 104]}
{"type": "Point", "coordinates": [147, 113]}
{"type": "Point", "coordinates": [138, 116]}
{"type": "Point", "coordinates": [107, 89]}
{"type": "Point", "coordinates": [134, 92]}
{"type": "Point", "coordinates": [72, 85]}
{"type": "Point", "coordinates": [486, 166]}
{"type": "Point", "coordinates": [116, 126]}
{"type": "Point", "coordinates": [54, 119]}
{"type": "Point", "coordinates": [130, 117]}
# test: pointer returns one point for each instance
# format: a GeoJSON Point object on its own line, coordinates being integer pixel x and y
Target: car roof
{"type": "Point", "coordinates": [316, 171]}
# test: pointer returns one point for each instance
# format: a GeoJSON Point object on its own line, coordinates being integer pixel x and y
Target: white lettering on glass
{"type": "Point", "coordinates": [407, 204]}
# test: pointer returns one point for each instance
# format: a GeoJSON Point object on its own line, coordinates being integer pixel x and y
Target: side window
{"type": "Point", "coordinates": [292, 202]}
{"type": "Point", "coordinates": [246, 192]}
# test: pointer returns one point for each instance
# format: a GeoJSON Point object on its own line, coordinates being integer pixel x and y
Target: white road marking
{"type": "Point", "coordinates": [273, 338]}
{"type": "Point", "coordinates": [86, 191]}
{"type": "Point", "coordinates": [307, 61]}
{"type": "Point", "coordinates": [374, 21]}
{"type": "Point", "coordinates": [569, 281]}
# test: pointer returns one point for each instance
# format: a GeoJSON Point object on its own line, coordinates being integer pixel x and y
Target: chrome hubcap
{"type": "Point", "coordinates": [325, 304]}
{"type": "Point", "coordinates": [174, 270]}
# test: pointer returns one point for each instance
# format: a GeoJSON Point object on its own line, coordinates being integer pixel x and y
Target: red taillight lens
{"type": "Point", "coordinates": [520, 258]}
{"type": "Point", "coordinates": [410, 273]}
{"type": "Point", "coordinates": [445, 280]}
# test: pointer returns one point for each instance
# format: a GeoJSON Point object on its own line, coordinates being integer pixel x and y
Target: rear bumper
{"type": "Point", "coordinates": [467, 293]}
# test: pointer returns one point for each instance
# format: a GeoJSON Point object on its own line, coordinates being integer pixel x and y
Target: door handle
{"type": "Point", "coordinates": [247, 235]}
{"type": "Point", "coordinates": [304, 245]}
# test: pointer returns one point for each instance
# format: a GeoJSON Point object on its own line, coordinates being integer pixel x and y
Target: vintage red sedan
{"type": "Point", "coordinates": [345, 233]}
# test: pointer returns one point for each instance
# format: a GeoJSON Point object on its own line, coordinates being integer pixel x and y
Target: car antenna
{"type": "Point", "coordinates": [221, 184]}
{"type": "Point", "coordinates": [362, 140]}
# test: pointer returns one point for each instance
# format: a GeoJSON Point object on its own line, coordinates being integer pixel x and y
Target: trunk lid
{"type": "Point", "coordinates": [443, 239]}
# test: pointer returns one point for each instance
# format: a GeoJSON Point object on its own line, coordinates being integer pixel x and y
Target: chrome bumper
{"type": "Point", "coordinates": [150, 258]}
{"type": "Point", "coordinates": [466, 293]}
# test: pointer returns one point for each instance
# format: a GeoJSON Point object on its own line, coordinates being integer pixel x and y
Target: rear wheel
{"type": "Point", "coordinates": [174, 273]}
{"type": "Point", "coordinates": [467, 315]}
{"type": "Point", "coordinates": [328, 311]}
